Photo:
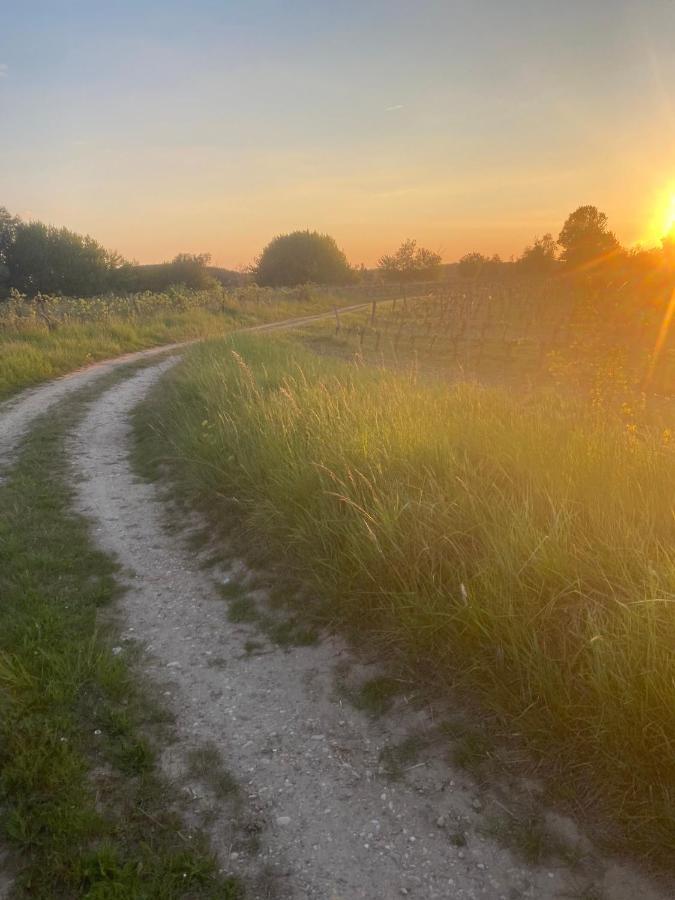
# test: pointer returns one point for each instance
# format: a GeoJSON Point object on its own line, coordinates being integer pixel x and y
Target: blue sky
{"type": "Point", "coordinates": [162, 127]}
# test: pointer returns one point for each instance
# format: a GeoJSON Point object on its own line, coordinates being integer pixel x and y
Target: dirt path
{"type": "Point", "coordinates": [333, 822]}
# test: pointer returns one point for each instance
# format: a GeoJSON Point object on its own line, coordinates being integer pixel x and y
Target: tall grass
{"type": "Point", "coordinates": [41, 343]}
{"type": "Point", "coordinates": [46, 338]}
{"type": "Point", "coordinates": [524, 547]}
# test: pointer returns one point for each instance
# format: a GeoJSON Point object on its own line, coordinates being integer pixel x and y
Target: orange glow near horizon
{"type": "Point", "coordinates": [662, 222]}
{"type": "Point", "coordinates": [160, 127]}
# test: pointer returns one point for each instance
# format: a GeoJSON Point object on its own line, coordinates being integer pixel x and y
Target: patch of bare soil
{"type": "Point", "coordinates": [341, 798]}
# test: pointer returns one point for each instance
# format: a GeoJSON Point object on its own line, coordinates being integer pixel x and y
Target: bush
{"type": "Point", "coordinates": [302, 257]}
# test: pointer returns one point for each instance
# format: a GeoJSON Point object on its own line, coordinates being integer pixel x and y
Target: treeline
{"type": "Point", "coordinates": [585, 246]}
{"type": "Point", "coordinates": [191, 269]}
{"type": "Point", "coordinates": [42, 259]}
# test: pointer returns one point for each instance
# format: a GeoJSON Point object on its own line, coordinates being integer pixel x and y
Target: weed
{"type": "Point", "coordinates": [231, 589]}
{"type": "Point", "coordinates": [289, 632]}
{"type": "Point", "coordinates": [472, 749]}
{"type": "Point", "coordinates": [376, 695]}
{"type": "Point", "coordinates": [217, 662]}
{"type": "Point", "coordinates": [242, 609]}
{"type": "Point", "coordinates": [398, 757]}
{"type": "Point", "coordinates": [530, 838]}
{"type": "Point", "coordinates": [205, 764]}
{"type": "Point", "coordinates": [457, 837]}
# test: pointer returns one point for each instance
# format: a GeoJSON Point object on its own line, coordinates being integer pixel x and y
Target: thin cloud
{"type": "Point", "coordinates": [393, 108]}
{"type": "Point", "coordinates": [4, 69]}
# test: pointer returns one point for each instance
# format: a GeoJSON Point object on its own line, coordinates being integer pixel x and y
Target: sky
{"type": "Point", "coordinates": [161, 127]}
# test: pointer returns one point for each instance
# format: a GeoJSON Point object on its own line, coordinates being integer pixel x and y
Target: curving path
{"type": "Point", "coordinates": [333, 825]}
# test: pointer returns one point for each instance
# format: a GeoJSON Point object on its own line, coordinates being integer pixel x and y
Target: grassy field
{"type": "Point", "coordinates": [523, 547]}
{"type": "Point", "coordinates": [39, 341]}
{"type": "Point", "coordinates": [82, 801]}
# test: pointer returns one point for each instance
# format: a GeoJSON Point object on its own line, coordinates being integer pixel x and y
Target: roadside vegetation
{"type": "Point", "coordinates": [519, 546]}
{"type": "Point", "coordinates": [82, 803]}
{"type": "Point", "coordinates": [49, 336]}
{"type": "Point", "coordinates": [40, 340]}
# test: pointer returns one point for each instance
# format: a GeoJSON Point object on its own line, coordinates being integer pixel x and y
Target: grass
{"type": "Point", "coordinates": [529, 836]}
{"type": "Point", "coordinates": [81, 801]}
{"type": "Point", "coordinates": [77, 332]}
{"type": "Point", "coordinates": [31, 352]}
{"type": "Point", "coordinates": [376, 695]}
{"type": "Point", "coordinates": [242, 609]}
{"type": "Point", "coordinates": [397, 758]}
{"type": "Point", "coordinates": [522, 548]}
{"type": "Point", "coordinates": [286, 630]}
{"type": "Point", "coordinates": [472, 746]}
{"type": "Point", "coordinates": [206, 765]}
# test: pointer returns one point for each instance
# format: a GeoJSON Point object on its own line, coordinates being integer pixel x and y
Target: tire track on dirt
{"type": "Point", "coordinates": [334, 826]}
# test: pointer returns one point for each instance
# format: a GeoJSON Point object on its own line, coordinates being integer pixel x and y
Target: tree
{"type": "Point", "coordinates": [8, 226]}
{"type": "Point", "coordinates": [472, 264]}
{"type": "Point", "coordinates": [410, 263]}
{"type": "Point", "coordinates": [540, 257]}
{"type": "Point", "coordinates": [586, 239]}
{"type": "Point", "coordinates": [302, 257]}
{"type": "Point", "coordinates": [49, 260]}
{"type": "Point", "coordinates": [191, 270]}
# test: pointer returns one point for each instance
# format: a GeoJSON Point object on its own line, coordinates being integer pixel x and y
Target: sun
{"type": "Point", "coordinates": [669, 216]}
{"type": "Point", "coordinates": [662, 221]}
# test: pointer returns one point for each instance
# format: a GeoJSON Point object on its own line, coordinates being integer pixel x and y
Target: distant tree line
{"type": "Point", "coordinates": [38, 258]}
{"type": "Point", "coordinates": [191, 269]}
{"type": "Point", "coordinates": [585, 246]}
{"type": "Point", "coordinates": [42, 259]}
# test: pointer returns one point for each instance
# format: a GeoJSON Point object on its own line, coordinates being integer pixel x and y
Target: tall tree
{"type": "Point", "coordinates": [586, 239]}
